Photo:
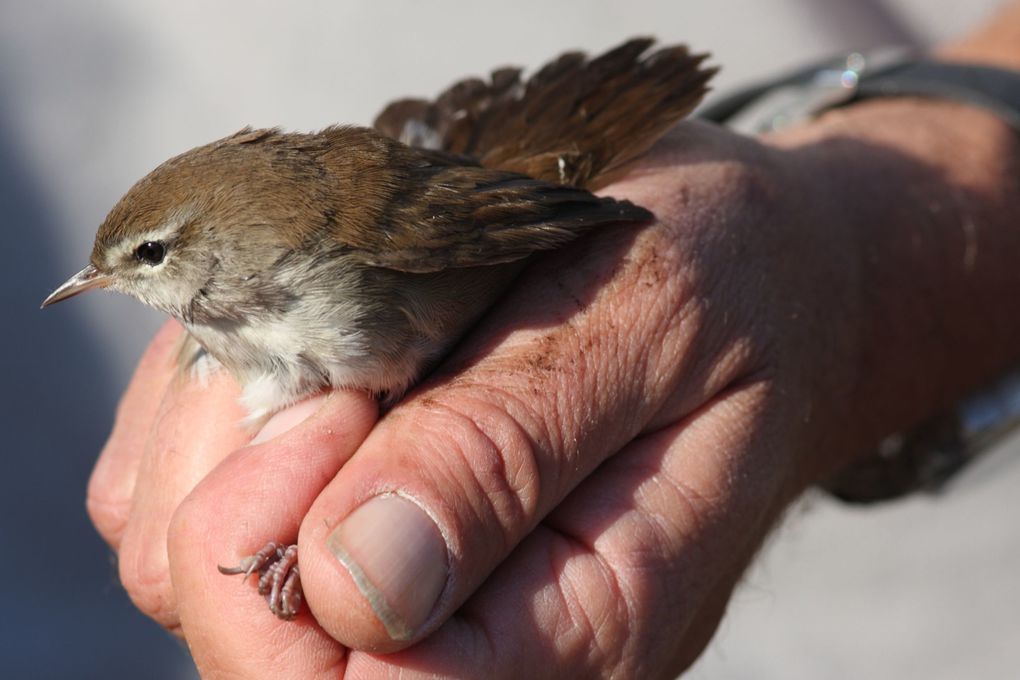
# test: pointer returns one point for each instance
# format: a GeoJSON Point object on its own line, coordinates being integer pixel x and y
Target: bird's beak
{"type": "Point", "coordinates": [87, 279]}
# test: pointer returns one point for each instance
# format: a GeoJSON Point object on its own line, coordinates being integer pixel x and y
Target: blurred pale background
{"type": "Point", "coordinates": [94, 94]}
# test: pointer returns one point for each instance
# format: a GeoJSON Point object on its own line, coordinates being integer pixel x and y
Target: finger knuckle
{"type": "Point", "coordinates": [593, 620]}
{"type": "Point", "coordinates": [145, 575]}
{"type": "Point", "coordinates": [108, 497]}
{"type": "Point", "coordinates": [108, 512]}
{"type": "Point", "coordinates": [489, 454]}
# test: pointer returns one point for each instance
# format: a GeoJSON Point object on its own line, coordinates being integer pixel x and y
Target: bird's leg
{"type": "Point", "coordinates": [193, 361]}
{"type": "Point", "coordinates": [279, 579]}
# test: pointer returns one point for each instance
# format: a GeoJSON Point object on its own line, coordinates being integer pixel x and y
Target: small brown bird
{"type": "Point", "coordinates": [355, 257]}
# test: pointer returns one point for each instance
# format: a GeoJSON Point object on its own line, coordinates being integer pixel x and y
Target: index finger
{"type": "Point", "coordinates": [258, 493]}
{"type": "Point", "coordinates": [112, 483]}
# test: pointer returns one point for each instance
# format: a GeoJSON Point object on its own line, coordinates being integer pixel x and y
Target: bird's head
{"type": "Point", "coordinates": [235, 202]}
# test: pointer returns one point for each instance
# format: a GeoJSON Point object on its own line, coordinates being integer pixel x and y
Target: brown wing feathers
{"type": "Point", "coordinates": [468, 216]}
{"type": "Point", "coordinates": [575, 121]}
{"type": "Point", "coordinates": [541, 144]}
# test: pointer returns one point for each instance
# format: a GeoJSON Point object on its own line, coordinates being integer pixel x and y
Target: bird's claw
{"type": "Point", "coordinates": [279, 578]}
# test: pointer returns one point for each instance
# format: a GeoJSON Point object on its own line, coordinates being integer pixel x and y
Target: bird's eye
{"type": "Point", "coordinates": [151, 252]}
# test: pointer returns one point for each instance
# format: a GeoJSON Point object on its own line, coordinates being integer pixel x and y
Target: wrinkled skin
{"type": "Point", "coordinates": [604, 453]}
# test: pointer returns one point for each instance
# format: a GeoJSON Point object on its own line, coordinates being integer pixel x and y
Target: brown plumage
{"type": "Point", "coordinates": [355, 257]}
{"type": "Point", "coordinates": [575, 121]}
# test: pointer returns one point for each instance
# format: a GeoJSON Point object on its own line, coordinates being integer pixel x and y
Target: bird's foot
{"type": "Point", "coordinates": [279, 579]}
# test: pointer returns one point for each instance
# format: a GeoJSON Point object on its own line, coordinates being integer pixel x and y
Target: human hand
{"type": "Point", "coordinates": [601, 457]}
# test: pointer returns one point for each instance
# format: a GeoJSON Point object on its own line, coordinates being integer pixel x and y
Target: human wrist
{"type": "Point", "coordinates": [926, 189]}
{"type": "Point", "coordinates": [997, 43]}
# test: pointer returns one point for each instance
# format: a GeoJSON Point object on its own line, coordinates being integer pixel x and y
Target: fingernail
{"type": "Point", "coordinates": [288, 418]}
{"type": "Point", "coordinates": [397, 558]}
